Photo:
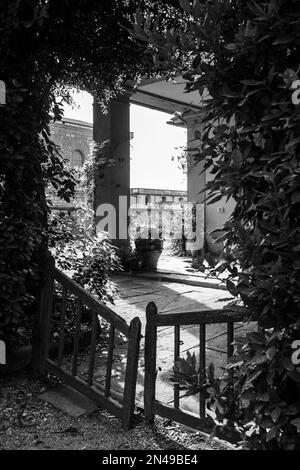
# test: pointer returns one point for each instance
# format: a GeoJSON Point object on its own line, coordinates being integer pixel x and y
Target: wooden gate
{"type": "Point", "coordinates": [155, 320]}
{"type": "Point", "coordinates": [119, 404]}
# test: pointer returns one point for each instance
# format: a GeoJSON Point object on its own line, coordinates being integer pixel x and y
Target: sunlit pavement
{"type": "Point", "coordinates": [171, 297]}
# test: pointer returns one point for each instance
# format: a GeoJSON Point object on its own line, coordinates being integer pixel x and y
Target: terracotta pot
{"type": "Point", "coordinates": [151, 259]}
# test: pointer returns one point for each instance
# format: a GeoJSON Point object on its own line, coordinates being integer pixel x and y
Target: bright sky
{"type": "Point", "coordinates": [152, 148]}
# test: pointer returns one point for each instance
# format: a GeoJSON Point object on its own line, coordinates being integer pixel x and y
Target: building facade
{"type": "Point", "coordinates": [74, 138]}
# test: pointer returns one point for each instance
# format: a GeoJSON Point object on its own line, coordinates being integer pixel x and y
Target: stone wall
{"type": "Point", "coordinates": [141, 197]}
{"type": "Point", "coordinates": [74, 138]}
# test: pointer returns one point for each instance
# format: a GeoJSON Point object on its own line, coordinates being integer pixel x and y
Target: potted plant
{"type": "Point", "coordinates": [130, 259]}
{"type": "Point", "coordinates": [149, 249]}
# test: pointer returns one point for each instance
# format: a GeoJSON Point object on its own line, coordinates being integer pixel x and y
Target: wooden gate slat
{"type": "Point", "coordinates": [110, 356]}
{"type": "Point", "coordinates": [62, 328]}
{"type": "Point", "coordinates": [42, 328]}
{"type": "Point", "coordinates": [176, 359]}
{"type": "Point", "coordinates": [150, 361]}
{"type": "Point", "coordinates": [76, 338]}
{"type": "Point", "coordinates": [230, 333]}
{"type": "Point", "coordinates": [95, 327]}
{"type": "Point", "coordinates": [230, 338]}
{"type": "Point", "coordinates": [131, 371]}
{"type": "Point", "coordinates": [202, 366]}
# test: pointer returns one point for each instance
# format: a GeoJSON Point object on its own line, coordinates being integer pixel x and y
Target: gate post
{"type": "Point", "coordinates": [131, 371]}
{"type": "Point", "coordinates": [150, 361]}
{"type": "Point", "coordinates": [41, 333]}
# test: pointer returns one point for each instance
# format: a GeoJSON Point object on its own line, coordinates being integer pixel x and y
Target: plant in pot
{"type": "Point", "coordinates": [130, 259]}
{"type": "Point", "coordinates": [149, 249]}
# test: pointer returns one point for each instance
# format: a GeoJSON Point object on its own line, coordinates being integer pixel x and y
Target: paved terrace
{"type": "Point", "coordinates": [170, 297]}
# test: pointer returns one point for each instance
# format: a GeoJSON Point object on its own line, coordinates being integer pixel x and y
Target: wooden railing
{"type": "Point", "coordinates": [101, 394]}
{"type": "Point", "coordinates": [155, 320]}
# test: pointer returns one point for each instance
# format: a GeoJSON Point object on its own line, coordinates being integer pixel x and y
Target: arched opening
{"type": "Point", "coordinates": [77, 159]}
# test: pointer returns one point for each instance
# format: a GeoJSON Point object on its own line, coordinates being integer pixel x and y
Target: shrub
{"type": "Point", "coordinates": [88, 258]}
{"type": "Point", "coordinates": [244, 56]}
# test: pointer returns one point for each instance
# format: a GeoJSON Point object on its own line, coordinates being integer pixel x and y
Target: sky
{"type": "Point", "coordinates": [154, 144]}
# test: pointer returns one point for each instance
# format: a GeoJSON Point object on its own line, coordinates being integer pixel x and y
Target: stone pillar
{"type": "Point", "coordinates": [195, 183]}
{"type": "Point", "coordinates": [113, 184]}
{"type": "Point", "coordinates": [214, 215]}
{"type": "Point", "coordinates": [195, 179]}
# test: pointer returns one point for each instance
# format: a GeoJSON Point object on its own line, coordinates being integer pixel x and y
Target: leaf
{"type": "Point", "coordinates": [292, 143]}
{"type": "Point", "coordinates": [275, 414]}
{"type": "Point", "coordinates": [272, 433]}
{"type": "Point", "coordinates": [211, 372]}
{"type": "Point", "coordinates": [231, 46]}
{"type": "Point", "coordinates": [271, 352]}
{"type": "Point", "coordinates": [198, 134]}
{"type": "Point", "coordinates": [185, 368]}
{"type": "Point", "coordinates": [284, 40]}
{"type": "Point", "coordinates": [139, 33]}
{"type": "Point", "coordinates": [296, 197]}
{"type": "Point", "coordinates": [214, 199]}
{"type": "Point", "coordinates": [253, 92]}
{"type": "Point", "coordinates": [237, 158]}
{"type": "Point", "coordinates": [294, 375]}
{"type": "Point", "coordinates": [231, 287]}
{"type": "Point", "coordinates": [231, 94]}
{"type": "Point", "coordinates": [253, 377]}
{"type": "Point", "coordinates": [253, 82]}
{"type": "Point", "coordinates": [296, 422]}
{"type": "Point", "coordinates": [139, 18]}
{"type": "Point", "coordinates": [257, 9]}
{"type": "Point", "coordinates": [185, 5]}
{"type": "Point", "coordinates": [296, 265]}
{"type": "Point", "coordinates": [259, 359]}
{"type": "Point", "coordinates": [196, 9]}
{"type": "Point", "coordinates": [256, 337]}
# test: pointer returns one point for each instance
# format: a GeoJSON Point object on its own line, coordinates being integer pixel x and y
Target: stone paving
{"type": "Point", "coordinates": [181, 266]}
{"type": "Point", "coordinates": [134, 295]}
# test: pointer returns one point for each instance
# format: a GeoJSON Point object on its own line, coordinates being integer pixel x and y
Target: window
{"type": "Point", "coordinates": [77, 159]}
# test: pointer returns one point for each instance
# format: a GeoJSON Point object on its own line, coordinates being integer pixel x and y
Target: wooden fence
{"type": "Point", "coordinates": [155, 320]}
{"type": "Point", "coordinates": [101, 394]}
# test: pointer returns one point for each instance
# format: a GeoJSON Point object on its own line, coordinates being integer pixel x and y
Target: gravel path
{"type": "Point", "coordinates": [26, 422]}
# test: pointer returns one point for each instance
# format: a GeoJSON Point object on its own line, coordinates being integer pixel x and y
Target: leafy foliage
{"type": "Point", "coordinates": [46, 47]}
{"type": "Point", "coordinates": [88, 256]}
{"type": "Point", "coordinates": [243, 58]}
{"type": "Point", "coordinates": [89, 260]}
